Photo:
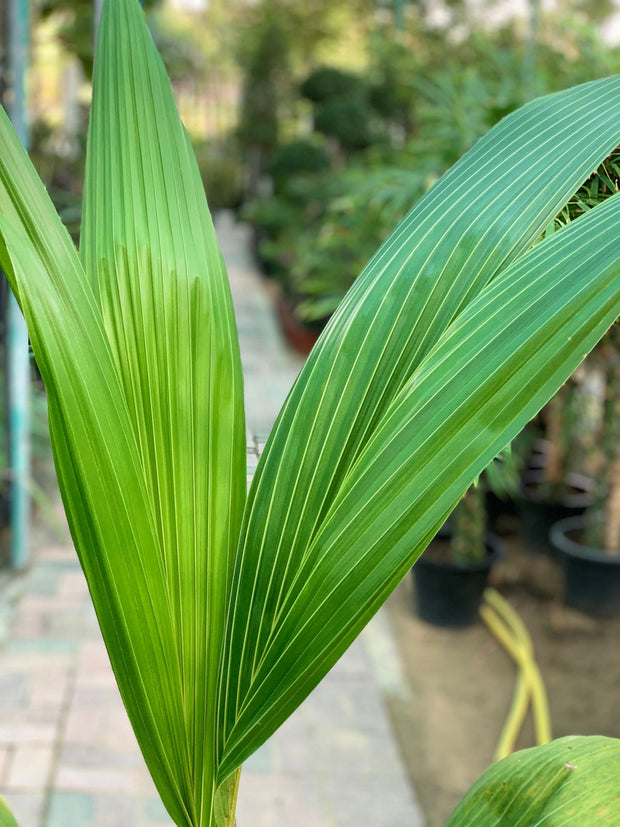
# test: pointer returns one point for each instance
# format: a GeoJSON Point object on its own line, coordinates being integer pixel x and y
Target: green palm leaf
{"type": "Point", "coordinates": [150, 252]}
{"type": "Point", "coordinates": [456, 332]}
{"type": "Point", "coordinates": [141, 363]}
{"type": "Point", "coordinates": [572, 780]}
{"type": "Point", "coordinates": [6, 816]}
{"type": "Point", "coordinates": [454, 335]}
{"type": "Point", "coordinates": [96, 458]}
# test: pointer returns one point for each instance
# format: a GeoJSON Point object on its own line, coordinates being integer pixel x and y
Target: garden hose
{"type": "Point", "coordinates": [506, 625]}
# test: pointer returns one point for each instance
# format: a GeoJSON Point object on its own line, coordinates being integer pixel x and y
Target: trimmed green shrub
{"type": "Point", "coordinates": [222, 175]}
{"type": "Point", "coordinates": [347, 120]}
{"type": "Point", "coordinates": [298, 157]}
{"type": "Point", "coordinates": [327, 83]}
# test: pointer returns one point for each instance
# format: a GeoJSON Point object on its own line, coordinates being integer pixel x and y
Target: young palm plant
{"type": "Point", "coordinates": [603, 530]}
{"type": "Point", "coordinates": [603, 523]}
{"type": "Point", "coordinates": [220, 621]}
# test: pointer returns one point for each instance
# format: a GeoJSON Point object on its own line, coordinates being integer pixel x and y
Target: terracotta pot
{"type": "Point", "coordinates": [300, 336]}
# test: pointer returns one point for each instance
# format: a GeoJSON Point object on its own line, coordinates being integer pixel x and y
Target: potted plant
{"type": "Point", "coordinates": [552, 490]}
{"type": "Point", "coordinates": [453, 572]}
{"type": "Point", "coordinates": [589, 546]}
{"type": "Point", "coordinates": [221, 614]}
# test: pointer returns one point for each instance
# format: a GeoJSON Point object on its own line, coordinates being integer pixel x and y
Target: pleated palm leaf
{"type": "Point", "coordinates": [460, 328]}
{"type": "Point", "coordinates": [136, 341]}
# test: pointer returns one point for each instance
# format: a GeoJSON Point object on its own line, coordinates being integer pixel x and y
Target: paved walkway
{"type": "Point", "coordinates": [68, 757]}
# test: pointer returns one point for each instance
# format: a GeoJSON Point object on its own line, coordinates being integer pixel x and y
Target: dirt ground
{"type": "Point", "coordinates": [462, 681]}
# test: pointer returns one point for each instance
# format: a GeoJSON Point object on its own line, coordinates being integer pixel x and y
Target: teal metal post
{"type": "Point", "coordinates": [97, 8]}
{"type": "Point", "coordinates": [530, 79]}
{"type": "Point", "coordinates": [18, 379]}
{"type": "Point", "coordinates": [399, 14]}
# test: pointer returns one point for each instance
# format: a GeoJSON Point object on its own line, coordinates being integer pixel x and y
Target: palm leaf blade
{"type": "Point", "coordinates": [571, 780]}
{"type": "Point", "coordinates": [6, 816]}
{"type": "Point", "coordinates": [150, 252]}
{"type": "Point", "coordinates": [97, 462]}
{"type": "Point", "coordinates": [431, 271]}
{"type": "Point", "coordinates": [140, 358]}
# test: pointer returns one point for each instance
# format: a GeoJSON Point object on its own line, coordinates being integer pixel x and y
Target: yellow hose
{"type": "Point", "coordinates": [539, 696]}
{"type": "Point", "coordinates": [509, 629]}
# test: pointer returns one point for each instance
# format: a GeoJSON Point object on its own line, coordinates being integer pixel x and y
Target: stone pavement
{"type": "Point", "coordinates": [68, 757]}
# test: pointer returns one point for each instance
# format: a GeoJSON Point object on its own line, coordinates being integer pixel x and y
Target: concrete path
{"type": "Point", "coordinates": [68, 757]}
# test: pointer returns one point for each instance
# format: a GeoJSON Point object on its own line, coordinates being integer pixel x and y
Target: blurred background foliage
{"type": "Point", "coordinates": [422, 88]}
{"type": "Point", "coordinates": [321, 123]}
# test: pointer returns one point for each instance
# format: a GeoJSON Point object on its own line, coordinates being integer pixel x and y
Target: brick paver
{"type": "Point", "coordinates": [68, 757]}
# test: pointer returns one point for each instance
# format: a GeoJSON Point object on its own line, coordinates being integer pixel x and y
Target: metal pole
{"type": "Point", "coordinates": [18, 380]}
{"type": "Point", "coordinates": [530, 80]}
{"type": "Point", "coordinates": [97, 7]}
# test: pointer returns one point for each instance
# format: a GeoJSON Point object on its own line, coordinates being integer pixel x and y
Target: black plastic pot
{"type": "Point", "coordinates": [538, 514]}
{"type": "Point", "coordinates": [501, 514]}
{"type": "Point", "coordinates": [538, 458]}
{"type": "Point", "coordinates": [448, 593]}
{"type": "Point", "coordinates": [591, 576]}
